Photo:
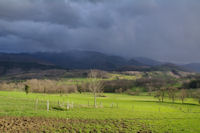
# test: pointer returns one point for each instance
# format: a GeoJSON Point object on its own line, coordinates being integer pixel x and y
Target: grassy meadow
{"type": "Point", "coordinates": [115, 112]}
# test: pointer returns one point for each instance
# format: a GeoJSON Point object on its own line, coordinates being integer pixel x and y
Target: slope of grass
{"type": "Point", "coordinates": [144, 111]}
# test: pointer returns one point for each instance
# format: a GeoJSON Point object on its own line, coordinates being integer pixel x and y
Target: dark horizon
{"type": "Point", "coordinates": [99, 52]}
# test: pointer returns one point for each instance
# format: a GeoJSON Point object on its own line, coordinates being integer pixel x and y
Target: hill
{"type": "Point", "coordinates": [69, 60]}
{"type": "Point", "coordinates": [147, 61]}
{"type": "Point", "coordinates": [25, 62]}
{"type": "Point", "coordinates": [195, 67]}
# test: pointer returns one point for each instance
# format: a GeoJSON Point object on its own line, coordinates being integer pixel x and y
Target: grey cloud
{"type": "Point", "coordinates": [60, 11]}
{"type": "Point", "coordinates": [164, 30]}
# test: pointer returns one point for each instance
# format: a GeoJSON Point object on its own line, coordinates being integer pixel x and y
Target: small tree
{"type": "Point", "coordinates": [79, 87]}
{"type": "Point", "coordinates": [60, 88]}
{"type": "Point", "coordinates": [44, 90]}
{"type": "Point", "coordinates": [120, 90]}
{"type": "Point", "coordinates": [183, 95]}
{"type": "Point", "coordinates": [162, 93]}
{"type": "Point", "coordinates": [149, 90]}
{"type": "Point", "coordinates": [172, 93]}
{"type": "Point", "coordinates": [27, 89]}
{"type": "Point", "coordinates": [95, 84]}
{"type": "Point", "coordinates": [197, 95]}
{"type": "Point", "coordinates": [158, 95]}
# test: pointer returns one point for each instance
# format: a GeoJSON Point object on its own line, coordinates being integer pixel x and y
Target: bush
{"type": "Point", "coordinates": [27, 89]}
{"type": "Point", "coordinates": [118, 85]}
{"type": "Point", "coordinates": [194, 84]}
{"type": "Point", "coordinates": [196, 95]}
{"type": "Point", "coordinates": [134, 93]}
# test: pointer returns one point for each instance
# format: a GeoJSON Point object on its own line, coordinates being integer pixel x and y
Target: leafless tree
{"type": "Point", "coordinates": [172, 93]}
{"type": "Point", "coordinates": [183, 95]}
{"type": "Point", "coordinates": [162, 93]}
{"type": "Point", "coordinates": [150, 89]}
{"type": "Point", "coordinates": [196, 95]}
{"type": "Point", "coordinates": [120, 90]}
{"type": "Point", "coordinates": [95, 84]}
{"type": "Point", "coordinates": [158, 95]}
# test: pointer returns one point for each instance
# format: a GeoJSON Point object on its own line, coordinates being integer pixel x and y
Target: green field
{"type": "Point", "coordinates": [115, 112]}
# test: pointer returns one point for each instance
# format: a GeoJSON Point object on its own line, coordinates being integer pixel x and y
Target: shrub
{"type": "Point", "coordinates": [134, 93]}
{"type": "Point", "coordinates": [196, 95]}
{"type": "Point", "coordinates": [120, 90]}
{"type": "Point", "coordinates": [114, 85]}
{"type": "Point", "coordinates": [27, 89]}
{"type": "Point", "coordinates": [194, 84]}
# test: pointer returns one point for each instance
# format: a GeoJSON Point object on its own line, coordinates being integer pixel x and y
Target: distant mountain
{"type": "Point", "coordinates": [195, 67]}
{"type": "Point", "coordinates": [133, 62]}
{"type": "Point", "coordinates": [21, 58]}
{"type": "Point", "coordinates": [168, 67]}
{"type": "Point", "coordinates": [163, 67]}
{"type": "Point", "coordinates": [68, 60]}
{"type": "Point", "coordinates": [13, 67]}
{"type": "Point", "coordinates": [77, 60]}
{"type": "Point", "coordinates": [82, 60]}
{"type": "Point", "coordinates": [147, 61]}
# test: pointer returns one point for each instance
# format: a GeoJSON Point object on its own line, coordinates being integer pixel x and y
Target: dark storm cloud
{"type": "Point", "coordinates": [52, 11]}
{"type": "Point", "coordinates": [164, 30]}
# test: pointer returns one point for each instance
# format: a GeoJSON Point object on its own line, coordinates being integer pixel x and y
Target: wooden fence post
{"type": "Point", "coordinates": [72, 106]}
{"type": "Point", "coordinates": [112, 105]}
{"type": "Point", "coordinates": [58, 103]}
{"type": "Point", "coordinates": [47, 105]}
{"type": "Point", "coordinates": [36, 104]}
{"type": "Point", "coordinates": [68, 106]}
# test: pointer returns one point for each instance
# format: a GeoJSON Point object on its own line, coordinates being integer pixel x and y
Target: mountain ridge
{"type": "Point", "coordinates": [81, 60]}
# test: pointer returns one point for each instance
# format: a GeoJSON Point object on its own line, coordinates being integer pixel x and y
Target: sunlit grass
{"type": "Point", "coordinates": [161, 117]}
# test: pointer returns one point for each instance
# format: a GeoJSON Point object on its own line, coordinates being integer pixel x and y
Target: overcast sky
{"type": "Point", "coordinates": [166, 30]}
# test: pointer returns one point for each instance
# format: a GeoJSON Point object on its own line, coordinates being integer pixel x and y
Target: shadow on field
{"type": "Point", "coordinates": [167, 103]}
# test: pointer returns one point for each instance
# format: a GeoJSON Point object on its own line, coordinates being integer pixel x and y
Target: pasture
{"type": "Point", "coordinates": [115, 113]}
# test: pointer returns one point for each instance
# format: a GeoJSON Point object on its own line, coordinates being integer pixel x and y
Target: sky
{"type": "Point", "coordinates": [165, 30]}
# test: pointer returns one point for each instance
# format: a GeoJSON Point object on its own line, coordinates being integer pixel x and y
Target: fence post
{"type": "Point", "coordinates": [101, 104]}
{"type": "Point", "coordinates": [68, 106]}
{"type": "Point", "coordinates": [36, 103]}
{"type": "Point", "coordinates": [112, 105]}
{"type": "Point", "coordinates": [72, 106]}
{"type": "Point", "coordinates": [47, 105]}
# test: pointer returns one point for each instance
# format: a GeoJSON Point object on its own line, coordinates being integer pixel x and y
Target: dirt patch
{"type": "Point", "coordinates": [36, 124]}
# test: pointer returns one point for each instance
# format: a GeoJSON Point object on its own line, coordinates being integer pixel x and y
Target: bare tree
{"type": "Point", "coordinates": [158, 95]}
{"type": "Point", "coordinates": [95, 84]}
{"type": "Point", "coordinates": [150, 89]}
{"type": "Point", "coordinates": [162, 92]}
{"type": "Point", "coordinates": [183, 95]}
{"type": "Point", "coordinates": [172, 93]}
{"type": "Point", "coordinates": [60, 89]}
{"type": "Point", "coordinates": [196, 95]}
